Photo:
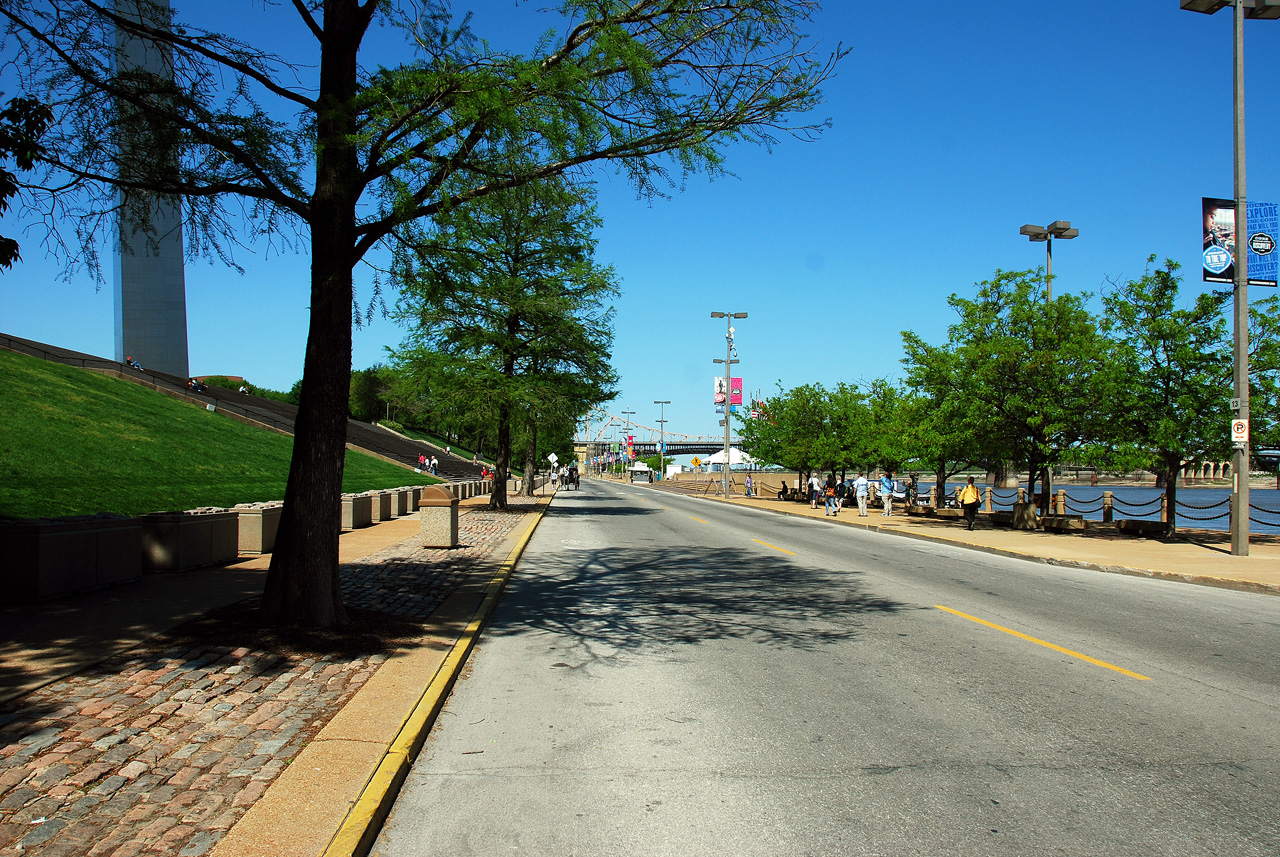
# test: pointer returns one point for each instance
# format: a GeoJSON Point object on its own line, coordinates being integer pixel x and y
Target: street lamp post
{"type": "Point", "coordinates": [626, 433]}
{"type": "Point", "coordinates": [1057, 229]}
{"type": "Point", "coordinates": [728, 362]}
{"type": "Point", "coordinates": [662, 435]}
{"type": "Point", "coordinates": [1268, 9]}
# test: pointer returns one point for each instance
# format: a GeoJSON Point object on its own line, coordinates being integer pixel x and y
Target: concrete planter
{"type": "Point", "coordinates": [47, 558]}
{"type": "Point", "coordinates": [400, 502]}
{"type": "Point", "coordinates": [1024, 517]}
{"type": "Point", "coordinates": [357, 511]}
{"type": "Point", "coordinates": [415, 494]}
{"type": "Point", "coordinates": [379, 506]}
{"type": "Point", "coordinates": [258, 527]}
{"type": "Point", "coordinates": [177, 541]}
{"type": "Point", "coordinates": [439, 518]}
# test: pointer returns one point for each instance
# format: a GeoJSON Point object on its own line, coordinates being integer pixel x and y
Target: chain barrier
{"type": "Point", "coordinates": [1118, 502]}
{"type": "Point", "coordinates": [1182, 505]}
{"type": "Point", "coordinates": [1263, 523]}
{"type": "Point", "coordinates": [1084, 510]}
{"type": "Point", "coordinates": [1210, 518]}
{"type": "Point", "coordinates": [997, 495]}
{"type": "Point", "coordinates": [1264, 509]}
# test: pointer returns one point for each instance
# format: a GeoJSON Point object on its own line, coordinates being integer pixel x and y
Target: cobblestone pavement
{"type": "Point", "coordinates": [163, 748]}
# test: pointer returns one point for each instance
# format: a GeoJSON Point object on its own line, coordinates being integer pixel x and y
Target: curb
{"type": "Point", "coordinates": [1176, 577]}
{"type": "Point", "coordinates": [363, 822]}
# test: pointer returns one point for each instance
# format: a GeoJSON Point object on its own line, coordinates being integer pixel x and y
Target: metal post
{"type": "Point", "coordinates": [1240, 457]}
{"type": "Point", "coordinates": [728, 370]}
{"type": "Point", "coordinates": [1048, 268]}
{"type": "Point", "coordinates": [662, 435]}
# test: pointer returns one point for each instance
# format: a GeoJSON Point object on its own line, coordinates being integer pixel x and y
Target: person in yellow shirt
{"type": "Point", "coordinates": [969, 497]}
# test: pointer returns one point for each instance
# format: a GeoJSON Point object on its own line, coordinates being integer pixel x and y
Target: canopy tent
{"type": "Point", "coordinates": [737, 458]}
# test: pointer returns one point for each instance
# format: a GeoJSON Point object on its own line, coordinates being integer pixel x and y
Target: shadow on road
{"type": "Point", "coordinates": [638, 598]}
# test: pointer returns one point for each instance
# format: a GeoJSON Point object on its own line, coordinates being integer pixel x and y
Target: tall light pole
{"type": "Point", "coordinates": [728, 362]}
{"type": "Point", "coordinates": [662, 435]}
{"type": "Point", "coordinates": [1057, 229]}
{"type": "Point", "coordinates": [1269, 9]}
{"type": "Point", "coordinates": [625, 434]}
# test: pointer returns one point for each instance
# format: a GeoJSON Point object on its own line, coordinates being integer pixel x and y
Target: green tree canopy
{"type": "Point", "coordinates": [344, 148]}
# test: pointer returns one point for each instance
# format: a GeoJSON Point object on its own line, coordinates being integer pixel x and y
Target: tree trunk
{"type": "Point", "coordinates": [530, 461]}
{"type": "Point", "coordinates": [1171, 468]}
{"type": "Point", "coordinates": [501, 460]}
{"type": "Point", "coordinates": [302, 586]}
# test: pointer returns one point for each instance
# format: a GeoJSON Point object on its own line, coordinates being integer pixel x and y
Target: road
{"type": "Point", "coordinates": [675, 676]}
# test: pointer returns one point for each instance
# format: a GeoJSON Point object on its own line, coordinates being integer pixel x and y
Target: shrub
{"type": "Point", "coordinates": [392, 424]}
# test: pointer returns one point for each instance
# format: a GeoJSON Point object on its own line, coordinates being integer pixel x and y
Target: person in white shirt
{"type": "Point", "coordinates": [861, 487]}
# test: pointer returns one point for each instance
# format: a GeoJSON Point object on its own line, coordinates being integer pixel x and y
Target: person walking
{"type": "Point", "coordinates": [969, 496]}
{"type": "Point", "coordinates": [861, 488]}
{"type": "Point", "coordinates": [435, 466]}
{"type": "Point", "coordinates": [886, 493]}
{"type": "Point", "coordinates": [829, 494]}
{"type": "Point", "coordinates": [815, 489]}
{"type": "Point", "coordinates": [749, 485]}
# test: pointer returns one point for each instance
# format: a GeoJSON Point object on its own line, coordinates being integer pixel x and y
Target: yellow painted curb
{"type": "Point", "coordinates": [356, 835]}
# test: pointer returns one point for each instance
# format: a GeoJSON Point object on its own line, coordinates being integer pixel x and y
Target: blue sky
{"type": "Point", "coordinates": [952, 125]}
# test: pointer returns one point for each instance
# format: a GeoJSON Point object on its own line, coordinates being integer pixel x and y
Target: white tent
{"type": "Point", "coordinates": [737, 458]}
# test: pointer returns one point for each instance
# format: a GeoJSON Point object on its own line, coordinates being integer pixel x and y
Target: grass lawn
{"type": "Point", "coordinates": [75, 442]}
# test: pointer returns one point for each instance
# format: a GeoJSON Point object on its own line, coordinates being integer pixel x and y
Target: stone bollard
{"type": "Point", "coordinates": [1022, 495]}
{"type": "Point", "coordinates": [1060, 502]}
{"type": "Point", "coordinates": [259, 523]}
{"type": "Point", "coordinates": [438, 511]}
{"type": "Point", "coordinates": [1108, 512]}
{"type": "Point", "coordinates": [177, 541]}
{"type": "Point", "coordinates": [379, 506]}
{"type": "Point", "coordinates": [990, 506]}
{"type": "Point", "coordinates": [1164, 508]}
{"type": "Point", "coordinates": [357, 511]}
{"type": "Point", "coordinates": [929, 499]}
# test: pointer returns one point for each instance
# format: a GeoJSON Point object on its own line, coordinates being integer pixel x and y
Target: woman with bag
{"type": "Point", "coordinates": [968, 498]}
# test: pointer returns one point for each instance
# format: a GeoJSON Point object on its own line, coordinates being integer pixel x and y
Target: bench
{"type": "Point", "coordinates": [1063, 523]}
{"type": "Point", "coordinates": [1141, 528]}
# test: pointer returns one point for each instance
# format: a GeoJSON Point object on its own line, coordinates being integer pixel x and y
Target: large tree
{"type": "Point", "coordinates": [1170, 366]}
{"type": "Point", "coordinates": [508, 310]}
{"type": "Point", "coordinates": [1027, 370]}
{"type": "Point", "coordinates": [345, 147]}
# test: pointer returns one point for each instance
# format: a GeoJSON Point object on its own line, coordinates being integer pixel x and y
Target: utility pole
{"type": "Point", "coordinates": [662, 436]}
{"type": "Point", "coordinates": [728, 362]}
{"type": "Point", "coordinates": [627, 415]}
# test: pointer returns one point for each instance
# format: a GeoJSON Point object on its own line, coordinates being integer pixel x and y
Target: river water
{"type": "Point", "coordinates": [1144, 503]}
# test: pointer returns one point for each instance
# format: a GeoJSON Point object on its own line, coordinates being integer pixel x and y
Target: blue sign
{"type": "Point", "coordinates": [1263, 220]}
{"type": "Point", "coordinates": [1216, 259]}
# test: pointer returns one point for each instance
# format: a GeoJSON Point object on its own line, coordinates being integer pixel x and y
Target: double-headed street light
{"type": "Point", "coordinates": [662, 435]}
{"type": "Point", "coordinates": [1057, 229]}
{"type": "Point", "coordinates": [1266, 9]}
{"type": "Point", "coordinates": [728, 361]}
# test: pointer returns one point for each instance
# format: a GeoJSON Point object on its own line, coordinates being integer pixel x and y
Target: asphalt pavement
{"type": "Point", "coordinates": [671, 676]}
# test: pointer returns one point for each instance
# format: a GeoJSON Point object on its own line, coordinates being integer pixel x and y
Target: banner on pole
{"type": "Point", "coordinates": [735, 391]}
{"type": "Point", "coordinates": [1218, 259]}
{"type": "Point", "coordinates": [718, 396]}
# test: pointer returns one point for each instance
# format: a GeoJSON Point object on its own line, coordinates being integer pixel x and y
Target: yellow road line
{"type": "Point", "coordinates": [775, 547]}
{"type": "Point", "coordinates": [1047, 645]}
{"type": "Point", "coordinates": [699, 520]}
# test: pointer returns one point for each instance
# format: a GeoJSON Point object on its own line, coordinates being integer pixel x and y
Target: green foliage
{"type": "Point", "coordinates": [77, 442]}
{"type": "Point", "coordinates": [1264, 373]}
{"type": "Point", "coordinates": [393, 425]}
{"type": "Point", "coordinates": [368, 400]}
{"type": "Point", "coordinates": [22, 122]}
{"type": "Point", "coordinates": [509, 318]}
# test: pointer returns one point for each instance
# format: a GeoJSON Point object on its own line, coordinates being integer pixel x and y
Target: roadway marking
{"type": "Point", "coordinates": [699, 520]}
{"type": "Point", "coordinates": [1047, 645]}
{"type": "Point", "coordinates": [775, 547]}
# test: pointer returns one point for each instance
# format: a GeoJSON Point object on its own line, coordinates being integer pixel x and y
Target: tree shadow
{"type": "Point", "coordinates": [597, 510]}
{"type": "Point", "coordinates": [654, 597]}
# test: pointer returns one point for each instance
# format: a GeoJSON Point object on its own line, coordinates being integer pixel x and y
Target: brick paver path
{"type": "Point", "coordinates": [163, 748]}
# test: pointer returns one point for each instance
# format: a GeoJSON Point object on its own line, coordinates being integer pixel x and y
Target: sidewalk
{"type": "Point", "coordinates": [1199, 556]}
{"type": "Point", "coordinates": [221, 737]}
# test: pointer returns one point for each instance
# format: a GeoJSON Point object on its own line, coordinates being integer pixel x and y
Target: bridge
{"type": "Point", "coordinates": [599, 430]}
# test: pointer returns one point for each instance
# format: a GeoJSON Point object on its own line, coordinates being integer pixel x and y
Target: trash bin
{"type": "Point", "coordinates": [438, 511]}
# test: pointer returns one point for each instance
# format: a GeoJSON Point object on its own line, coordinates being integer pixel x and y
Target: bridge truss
{"type": "Point", "coordinates": [600, 429]}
